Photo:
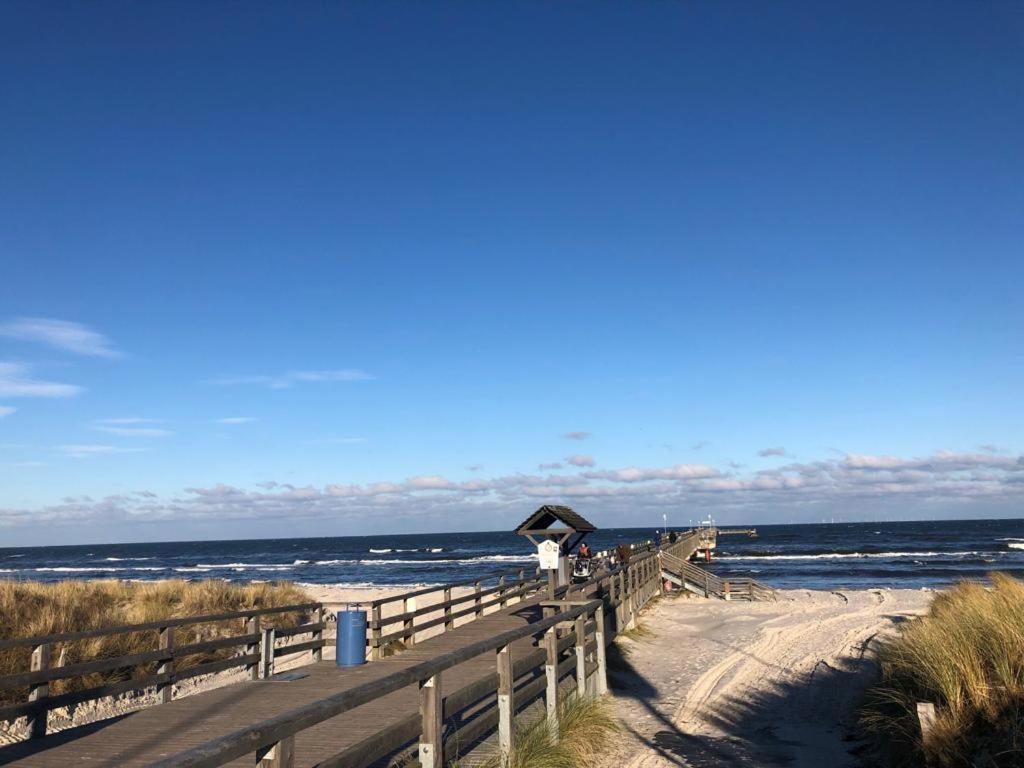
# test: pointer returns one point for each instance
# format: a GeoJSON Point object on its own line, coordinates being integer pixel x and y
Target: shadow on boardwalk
{"type": "Point", "coordinates": [795, 724]}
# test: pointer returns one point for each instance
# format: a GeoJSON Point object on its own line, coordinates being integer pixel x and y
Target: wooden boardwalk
{"type": "Point", "coordinates": [150, 734]}
{"type": "Point", "coordinates": [325, 716]}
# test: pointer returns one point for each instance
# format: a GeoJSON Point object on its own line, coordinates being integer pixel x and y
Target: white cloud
{"type": "Point", "coordinates": [16, 381]}
{"type": "Point", "coordinates": [78, 451]}
{"type": "Point", "coordinates": [237, 420]}
{"type": "Point", "coordinates": [577, 435]}
{"type": "Point", "coordinates": [130, 426]}
{"type": "Point", "coordinates": [551, 465]}
{"type": "Point", "coordinates": [290, 378]}
{"type": "Point", "coordinates": [580, 461]}
{"type": "Point", "coordinates": [133, 431]}
{"type": "Point", "coordinates": [961, 481]}
{"type": "Point", "coordinates": [772, 452]}
{"type": "Point", "coordinates": [6, 410]}
{"type": "Point", "coordinates": [641, 475]}
{"type": "Point", "coordinates": [61, 334]}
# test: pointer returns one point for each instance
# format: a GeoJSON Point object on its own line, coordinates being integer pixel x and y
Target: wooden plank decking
{"type": "Point", "coordinates": [142, 737]}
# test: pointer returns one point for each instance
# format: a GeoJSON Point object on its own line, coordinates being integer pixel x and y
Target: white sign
{"type": "Point", "coordinates": [548, 552]}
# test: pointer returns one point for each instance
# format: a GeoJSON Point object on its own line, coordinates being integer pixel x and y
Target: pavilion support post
{"type": "Point", "coordinates": [375, 632]}
{"type": "Point", "coordinates": [602, 656]}
{"type": "Point", "coordinates": [551, 679]}
{"type": "Point", "coordinates": [506, 705]}
{"type": "Point", "coordinates": [431, 749]}
{"type": "Point", "coordinates": [552, 591]}
{"type": "Point", "coordinates": [448, 623]}
{"type": "Point", "coordinates": [39, 691]}
{"type": "Point", "coordinates": [279, 755]}
{"type": "Point", "coordinates": [318, 634]}
{"type": "Point", "coordinates": [252, 627]}
{"type": "Point", "coordinates": [165, 690]}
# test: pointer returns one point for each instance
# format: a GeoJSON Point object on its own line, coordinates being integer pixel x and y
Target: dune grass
{"type": "Point", "coordinates": [586, 728]}
{"type": "Point", "coordinates": [967, 657]}
{"type": "Point", "coordinates": [30, 609]}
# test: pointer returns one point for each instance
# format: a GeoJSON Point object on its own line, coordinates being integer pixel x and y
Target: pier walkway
{"type": "Point", "coordinates": [438, 696]}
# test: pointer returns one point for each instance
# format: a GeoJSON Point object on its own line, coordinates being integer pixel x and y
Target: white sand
{"type": "Point", "coordinates": [738, 684]}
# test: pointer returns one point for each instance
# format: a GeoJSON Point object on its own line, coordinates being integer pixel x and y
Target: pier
{"type": "Point", "coordinates": [440, 678]}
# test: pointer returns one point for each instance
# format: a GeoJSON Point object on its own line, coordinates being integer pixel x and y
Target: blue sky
{"type": "Point", "coordinates": [408, 247]}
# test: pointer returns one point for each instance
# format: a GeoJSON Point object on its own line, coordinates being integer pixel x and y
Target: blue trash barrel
{"type": "Point", "coordinates": [350, 649]}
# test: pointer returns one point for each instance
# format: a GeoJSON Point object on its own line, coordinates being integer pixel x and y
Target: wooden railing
{"type": "Point", "coordinates": [738, 588]}
{"type": "Point", "coordinates": [430, 608]}
{"type": "Point", "coordinates": [255, 649]}
{"type": "Point", "coordinates": [570, 644]}
{"type": "Point", "coordinates": [422, 605]}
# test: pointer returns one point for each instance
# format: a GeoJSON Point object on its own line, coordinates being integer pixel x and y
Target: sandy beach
{"type": "Point", "coordinates": [713, 683]}
{"type": "Point", "coordinates": [706, 682]}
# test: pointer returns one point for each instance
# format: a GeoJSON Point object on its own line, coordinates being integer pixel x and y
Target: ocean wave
{"type": "Point", "coordinates": [852, 555]}
{"type": "Point", "coordinates": [1016, 544]}
{"type": "Point", "coordinates": [389, 550]}
{"type": "Point", "coordinates": [237, 566]}
{"type": "Point", "coordinates": [123, 559]}
{"type": "Point", "coordinates": [69, 569]}
{"type": "Point", "coordinates": [369, 585]}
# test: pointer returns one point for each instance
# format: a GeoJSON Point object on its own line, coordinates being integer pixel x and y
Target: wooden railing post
{"type": "Point", "coordinates": [165, 691]}
{"type": "Point", "coordinates": [477, 601]}
{"type": "Point", "coordinates": [581, 655]}
{"type": "Point", "coordinates": [252, 627]}
{"type": "Point", "coordinates": [39, 691]}
{"type": "Point", "coordinates": [448, 623]}
{"type": "Point", "coordinates": [279, 755]}
{"type": "Point", "coordinates": [431, 750]}
{"type": "Point", "coordinates": [501, 592]}
{"type": "Point", "coordinates": [318, 634]}
{"type": "Point", "coordinates": [267, 653]}
{"type": "Point", "coordinates": [506, 705]}
{"type": "Point", "coordinates": [551, 677]}
{"type": "Point", "coordinates": [375, 632]}
{"type": "Point", "coordinates": [409, 624]}
{"type": "Point", "coordinates": [602, 659]}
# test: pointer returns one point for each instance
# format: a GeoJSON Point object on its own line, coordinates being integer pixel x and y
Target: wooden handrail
{"type": "Point", "coordinates": [18, 642]}
{"type": "Point", "coordinates": [276, 729]}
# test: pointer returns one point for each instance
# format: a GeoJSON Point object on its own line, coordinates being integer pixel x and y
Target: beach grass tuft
{"type": "Point", "coordinates": [586, 728]}
{"type": "Point", "coordinates": [966, 656]}
{"type": "Point", "coordinates": [31, 609]}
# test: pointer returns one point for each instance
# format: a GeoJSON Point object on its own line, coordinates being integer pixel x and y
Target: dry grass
{"type": "Point", "coordinates": [586, 728]}
{"type": "Point", "coordinates": [967, 657]}
{"type": "Point", "coordinates": [30, 609]}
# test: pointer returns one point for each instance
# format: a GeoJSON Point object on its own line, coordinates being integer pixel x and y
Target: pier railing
{"type": "Point", "coordinates": [698, 579]}
{"type": "Point", "coordinates": [570, 648]}
{"type": "Point", "coordinates": [441, 607]}
{"type": "Point", "coordinates": [254, 649]}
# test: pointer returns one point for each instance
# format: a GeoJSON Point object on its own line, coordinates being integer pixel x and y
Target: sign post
{"type": "Point", "coordinates": [548, 552]}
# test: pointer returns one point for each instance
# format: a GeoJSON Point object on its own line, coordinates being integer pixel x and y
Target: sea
{"type": "Point", "coordinates": [824, 556]}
